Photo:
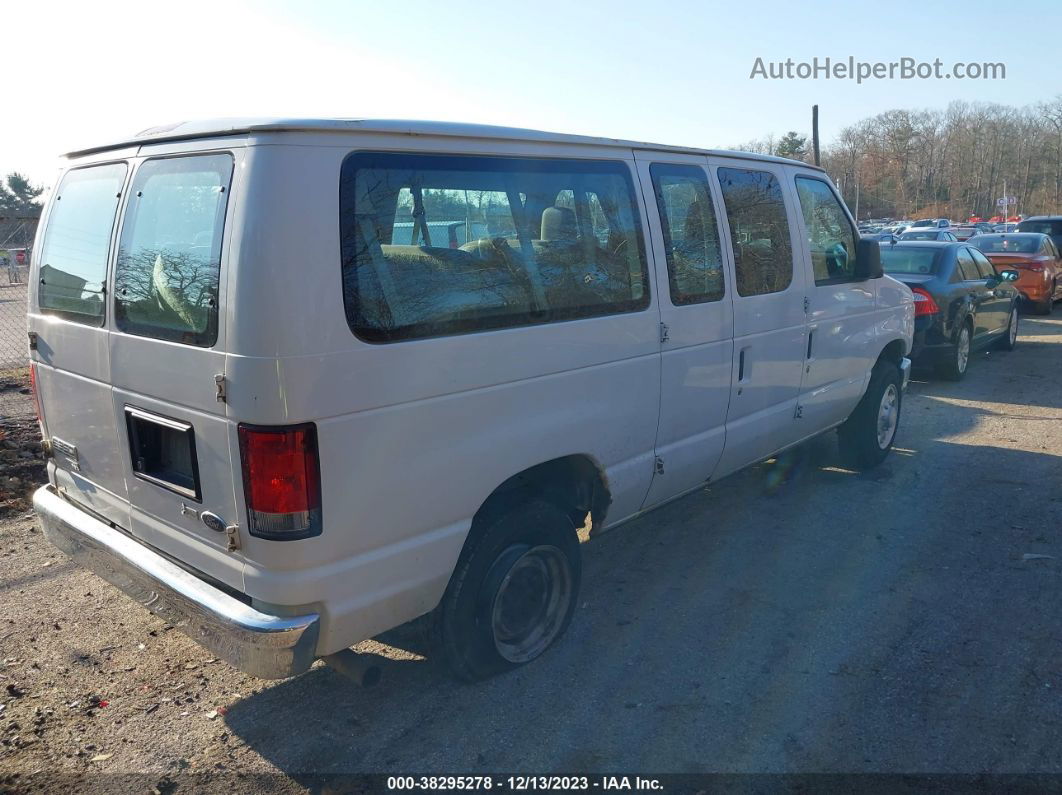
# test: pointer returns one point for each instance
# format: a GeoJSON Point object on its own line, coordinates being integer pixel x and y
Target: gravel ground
{"type": "Point", "coordinates": [795, 617]}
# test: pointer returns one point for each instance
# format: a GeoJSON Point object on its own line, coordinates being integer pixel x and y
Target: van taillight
{"type": "Point", "coordinates": [281, 480]}
{"type": "Point", "coordinates": [924, 303]}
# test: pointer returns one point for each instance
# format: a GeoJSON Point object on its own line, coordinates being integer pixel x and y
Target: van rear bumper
{"type": "Point", "coordinates": [263, 645]}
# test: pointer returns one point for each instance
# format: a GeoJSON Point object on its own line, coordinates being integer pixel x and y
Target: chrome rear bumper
{"type": "Point", "coordinates": [266, 646]}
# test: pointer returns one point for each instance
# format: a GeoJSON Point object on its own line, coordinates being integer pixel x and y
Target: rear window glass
{"type": "Point", "coordinates": [1002, 244]}
{"type": "Point", "coordinates": [931, 234]}
{"type": "Point", "coordinates": [436, 244]}
{"type": "Point", "coordinates": [169, 258]}
{"type": "Point", "coordinates": [1043, 227]}
{"type": "Point", "coordinates": [77, 241]}
{"type": "Point", "coordinates": [900, 259]}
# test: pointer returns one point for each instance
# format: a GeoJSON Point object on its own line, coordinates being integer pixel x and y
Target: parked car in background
{"type": "Point", "coordinates": [284, 462]}
{"type": "Point", "coordinates": [940, 235]}
{"type": "Point", "coordinates": [1004, 228]}
{"type": "Point", "coordinates": [962, 303]}
{"type": "Point", "coordinates": [1050, 225]}
{"type": "Point", "coordinates": [934, 223]}
{"type": "Point", "coordinates": [884, 238]}
{"type": "Point", "coordinates": [963, 233]}
{"type": "Point", "coordinates": [1036, 259]}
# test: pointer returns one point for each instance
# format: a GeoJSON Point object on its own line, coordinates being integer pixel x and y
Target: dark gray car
{"type": "Point", "coordinates": [961, 303]}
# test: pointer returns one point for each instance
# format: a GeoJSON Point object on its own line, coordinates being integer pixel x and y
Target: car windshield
{"type": "Point", "coordinates": [926, 222]}
{"type": "Point", "coordinates": [1003, 244]}
{"type": "Point", "coordinates": [904, 259]}
{"type": "Point", "coordinates": [927, 235]}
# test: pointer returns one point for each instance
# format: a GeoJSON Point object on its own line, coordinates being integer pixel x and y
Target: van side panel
{"type": "Point", "coordinates": [413, 435]}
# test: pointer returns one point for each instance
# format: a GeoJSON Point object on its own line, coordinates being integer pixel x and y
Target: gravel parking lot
{"type": "Point", "coordinates": [796, 617]}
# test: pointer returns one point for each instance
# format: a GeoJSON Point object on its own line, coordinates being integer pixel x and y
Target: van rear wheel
{"type": "Point", "coordinates": [866, 437]}
{"type": "Point", "coordinates": [512, 594]}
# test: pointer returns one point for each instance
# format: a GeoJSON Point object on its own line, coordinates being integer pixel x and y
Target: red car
{"type": "Point", "coordinates": [1036, 260]}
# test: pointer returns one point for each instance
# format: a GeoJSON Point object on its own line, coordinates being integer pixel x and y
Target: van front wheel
{"type": "Point", "coordinates": [512, 594]}
{"type": "Point", "coordinates": [866, 437]}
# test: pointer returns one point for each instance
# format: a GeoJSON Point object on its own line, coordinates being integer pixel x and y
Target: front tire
{"type": "Point", "coordinates": [867, 436]}
{"type": "Point", "coordinates": [954, 365]}
{"type": "Point", "coordinates": [512, 594]}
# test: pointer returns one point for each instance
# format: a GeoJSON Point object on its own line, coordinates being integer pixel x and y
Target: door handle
{"type": "Point", "coordinates": [741, 366]}
{"type": "Point", "coordinates": [811, 336]}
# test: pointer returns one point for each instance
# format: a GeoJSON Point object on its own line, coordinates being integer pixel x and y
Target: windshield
{"type": "Point", "coordinates": [928, 235]}
{"type": "Point", "coordinates": [1004, 244]}
{"type": "Point", "coordinates": [903, 259]}
{"type": "Point", "coordinates": [924, 222]}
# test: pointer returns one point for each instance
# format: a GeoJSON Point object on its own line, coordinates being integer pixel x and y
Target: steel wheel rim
{"type": "Point", "coordinates": [531, 603]}
{"type": "Point", "coordinates": [963, 352]}
{"type": "Point", "coordinates": [1013, 326]}
{"type": "Point", "coordinates": [888, 415]}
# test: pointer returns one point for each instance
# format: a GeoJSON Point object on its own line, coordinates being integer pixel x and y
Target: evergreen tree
{"type": "Point", "coordinates": [18, 196]}
{"type": "Point", "coordinates": [792, 145]}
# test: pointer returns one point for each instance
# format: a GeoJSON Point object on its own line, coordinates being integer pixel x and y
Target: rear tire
{"type": "Point", "coordinates": [512, 594]}
{"type": "Point", "coordinates": [957, 358]}
{"type": "Point", "coordinates": [1010, 338]}
{"type": "Point", "coordinates": [867, 436]}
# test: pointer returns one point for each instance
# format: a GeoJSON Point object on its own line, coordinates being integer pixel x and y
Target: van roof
{"type": "Point", "coordinates": [186, 130]}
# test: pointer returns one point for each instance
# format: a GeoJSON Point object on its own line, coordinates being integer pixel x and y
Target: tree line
{"type": "Point", "coordinates": [951, 163]}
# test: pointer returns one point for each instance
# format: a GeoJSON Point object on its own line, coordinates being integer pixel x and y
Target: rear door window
{"type": "Point", "coordinates": [691, 238]}
{"type": "Point", "coordinates": [759, 230]}
{"type": "Point", "coordinates": [169, 258]}
{"type": "Point", "coordinates": [77, 243]}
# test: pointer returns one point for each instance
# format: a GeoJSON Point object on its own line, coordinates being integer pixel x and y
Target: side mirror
{"type": "Point", "coordinates": [868, 259]}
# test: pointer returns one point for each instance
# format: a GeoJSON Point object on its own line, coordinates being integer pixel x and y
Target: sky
{"type": "Point", "coordinates": [671, 72]}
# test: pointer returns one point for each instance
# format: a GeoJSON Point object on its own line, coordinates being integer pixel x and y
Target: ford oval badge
{"type": "Point", "coordinates": [213, 521]}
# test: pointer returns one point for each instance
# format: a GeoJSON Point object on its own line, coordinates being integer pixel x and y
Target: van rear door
{"type": "Point", "coordinates": [72, 354]}
{"type": "Point", "coordinates": [167, 350]}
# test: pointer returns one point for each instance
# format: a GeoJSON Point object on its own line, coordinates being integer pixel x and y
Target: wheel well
{"type": "Point", "coordinates": [575, 483]}
{"type": "Point", "coordinates": [893, 352]}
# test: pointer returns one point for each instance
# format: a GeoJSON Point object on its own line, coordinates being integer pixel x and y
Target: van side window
{"type": "Point", "coordinates": [451, 244]}
{"type": "Point", "coordinates": [691, 239]}
{"type": "Point", "coordinates": [831, 239]}
{"type": "Point", "coordinates": [759, 231]}
{"type": "Point", "coordinates": [169, 259]}
{"type": "Point", "coordinates": [77, 243]}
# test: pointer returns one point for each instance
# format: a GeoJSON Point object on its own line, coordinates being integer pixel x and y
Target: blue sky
{"type": "Point", "coordinates": [675, 72]}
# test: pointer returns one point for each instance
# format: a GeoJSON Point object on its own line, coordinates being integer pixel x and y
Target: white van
{"type": "Point", "coordinates": [285, 432]}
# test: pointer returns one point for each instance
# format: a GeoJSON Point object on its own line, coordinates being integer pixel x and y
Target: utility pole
{"type": "Point", "coordinates": [815, 132]}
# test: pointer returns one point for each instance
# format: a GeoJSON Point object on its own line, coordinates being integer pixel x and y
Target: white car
{"type": "Point", "coordinates": [286, 432]}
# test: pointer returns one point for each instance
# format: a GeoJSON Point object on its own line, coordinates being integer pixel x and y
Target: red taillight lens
{"type": "Point", "coordinates": [281, 480]}
{"type": "Point", "coordinates": [924, 303]}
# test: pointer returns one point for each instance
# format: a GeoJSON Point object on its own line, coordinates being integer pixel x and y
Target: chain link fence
{"type": "Point", "coordinates": [16, 401]}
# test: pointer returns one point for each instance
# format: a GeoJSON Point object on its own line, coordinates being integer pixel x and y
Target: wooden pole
{"type": "Point", "coordinates": [815, 132]}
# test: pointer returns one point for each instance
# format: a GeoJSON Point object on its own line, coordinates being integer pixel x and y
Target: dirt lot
{"type": "Point", "coordinates": [796, 617]}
